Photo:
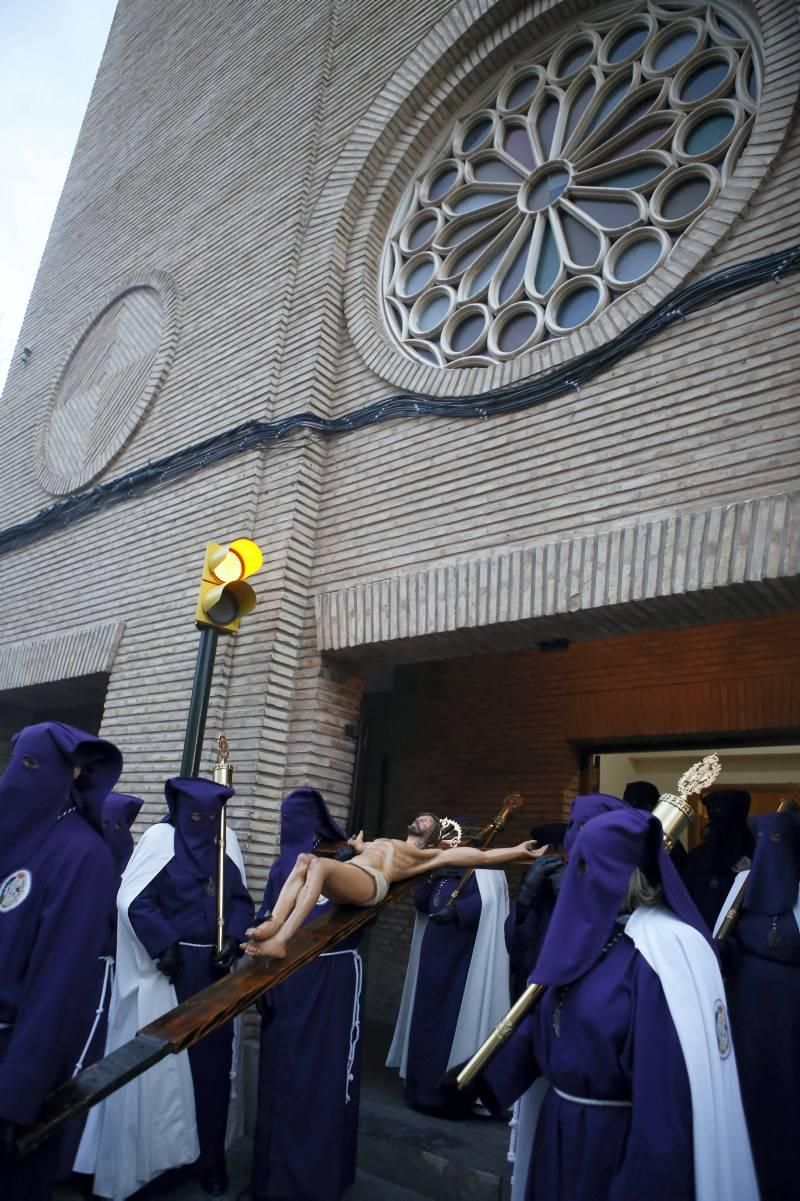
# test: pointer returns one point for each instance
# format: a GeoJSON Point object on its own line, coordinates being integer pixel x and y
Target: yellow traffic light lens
{"type": "Point", "coordinates": [229, 568]}
{"type": "Point", "coordinates": [224, 596]}
{"type": "Point", "coordinates": [239, 560]}
{"type": "Point", "coordinates": [250, 555]}
{"type": "Point", "coordinates": [224, 610]}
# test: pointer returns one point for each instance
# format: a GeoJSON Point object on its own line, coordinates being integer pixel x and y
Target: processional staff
{"type": "Point", "coordinates": [223, 774]}
{"type": "Point", "coordinates": [674, 813]}
{"type": "Point", "coordinates": [486, 836]}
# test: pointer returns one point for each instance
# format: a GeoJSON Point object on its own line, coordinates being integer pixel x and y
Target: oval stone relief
{"type": "Point", "coordinates": [107, 384]}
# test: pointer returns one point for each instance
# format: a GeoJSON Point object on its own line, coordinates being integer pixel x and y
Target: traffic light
{"type": "Point", "coordinates": [224, 596]}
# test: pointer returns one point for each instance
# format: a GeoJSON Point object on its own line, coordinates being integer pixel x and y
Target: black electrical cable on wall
{"type": "Point", "coordinates": [251, 434]}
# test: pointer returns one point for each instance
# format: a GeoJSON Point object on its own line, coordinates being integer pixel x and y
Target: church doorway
{"type": "Point", "coordinates": [79, 701]}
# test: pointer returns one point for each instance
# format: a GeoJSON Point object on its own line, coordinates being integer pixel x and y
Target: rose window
{"type": "Point", "coordinates": [569, 182]}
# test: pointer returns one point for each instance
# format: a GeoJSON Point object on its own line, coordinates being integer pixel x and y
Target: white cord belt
{"type": "Point", "coordinates": [355, 1025]}
{"type": "Point", "coordinates": [511, 1154]}
{"type": "Point", "coordinates": [108, 980]}
{"type": "Point", "coordinates": [604, 1104]}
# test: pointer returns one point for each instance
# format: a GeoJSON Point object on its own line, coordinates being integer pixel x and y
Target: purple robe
{"type": "Point", "coordinates": [603, 1032]}
{"type": "Point", "coordinates": [763, 987]}
{"type": "Point", "coordinates": [444, 960]}
{"type": "Point", "coordinates": [179, 906]}
{"type": "Point", "coordinates": [526, 924]}
{"type": "Point", "coordinates": [310, 1057]}
{"type": "Point", "coordinates": [616, 1042]}
{"type": "Point", "coordinates": [57, 886]}
{"type": "Point", "coordinates": [118, 814]}
{"type": "Point", "coordinates": [710, 868]}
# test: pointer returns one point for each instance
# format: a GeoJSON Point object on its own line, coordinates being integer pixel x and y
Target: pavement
{"type": "Point", "coordinates": [403, 1155]}
{"type": "Point", "coordinates": [366, 1188]}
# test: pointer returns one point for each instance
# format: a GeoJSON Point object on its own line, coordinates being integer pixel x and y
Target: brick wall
{"type": "Point", "coordinates": [210, 151]}
{"type": "Point", "coordinates": [461, 734]}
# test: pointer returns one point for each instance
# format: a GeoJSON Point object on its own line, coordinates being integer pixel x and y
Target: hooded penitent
{"type": "Point", "coordinates": [641, 794]}
{"type": "Point", "coordinates": [194, 806]}
{"type": "Point", "coordinates": [456, 986]}
{"type": "Point", "coordinates": [38, 785]}
{"type": "Point", "coordinates": [307, 1118]}
{"type": "Point", "coordinates": [584, 808]}
{"type": "Point", "coordinates": [167, 903]}
{"type": "Point", "coordinates": [631, 1038]}
{"type": "Point", "coordinates": [594, 886]}
{"type": "Point", "coordinates": [727, 849]}
{"type": "Point", "coordinates": [764, 994]}
{"type": "Point", "coordinates": [57, 886]}
{"type": "Point", "coordinates": [527, 923]}
{"type": "Point", "coordinates": [119, 813]}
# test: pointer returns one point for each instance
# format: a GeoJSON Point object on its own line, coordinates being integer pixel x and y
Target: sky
{"type": "Point", "coordinates": [49, 54]}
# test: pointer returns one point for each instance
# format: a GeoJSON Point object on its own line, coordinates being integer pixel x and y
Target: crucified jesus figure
{"type": "Point", "coordinates": [364, 880]}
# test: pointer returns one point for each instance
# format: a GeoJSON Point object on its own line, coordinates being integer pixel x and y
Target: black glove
{"type": "Point", "coordinates": [444, 916]}
{"type": "Point", "coordinates": [342, 854]}
{"type": "Point", "coordinates": [8, 1141]}
{"type": "Point", "coordinates": [224, 960]}
{"type": "Point", "coordinates": [170, 962]}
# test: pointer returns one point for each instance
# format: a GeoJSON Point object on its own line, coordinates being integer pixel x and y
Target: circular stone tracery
{"type": "Point", "coordinates": [569, 181]}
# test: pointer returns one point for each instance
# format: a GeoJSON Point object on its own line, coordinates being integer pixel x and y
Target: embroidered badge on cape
{"type": "Point", "coordinates": [14, 890]}
{"type": "Point", "coordinates": [723, 1029]}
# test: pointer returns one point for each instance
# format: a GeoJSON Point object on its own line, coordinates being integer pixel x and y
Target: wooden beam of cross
{"type": "Point", "coordinates": [203, 1013]}
{"type": "Point", "coordinates": [206, 1011]}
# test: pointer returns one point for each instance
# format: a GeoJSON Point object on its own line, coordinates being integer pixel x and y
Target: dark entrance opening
{"type": "Point", "coordinates": [78, 701]}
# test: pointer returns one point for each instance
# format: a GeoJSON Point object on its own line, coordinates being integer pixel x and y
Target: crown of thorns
{"type": "Point", "coordinates": [450, 831]}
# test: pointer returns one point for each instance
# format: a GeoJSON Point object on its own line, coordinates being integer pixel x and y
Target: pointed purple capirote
{"type": "Point", "coordinates": [305, 821]}
{"type": "Point", "coordinates": [194, 806]}
{"type": "Point", "coordinates": [120, 811]}
{"type": "Point", "coordinates": [310, 1019]}
{"type": "Point", "coordinates": [586, 807]}
{"type": "Point", "coordinates": [603, 856]}
{"type": "Point", "coordinates": [728, 846]}
{"type": "Point", "coordinates": [38, 784]}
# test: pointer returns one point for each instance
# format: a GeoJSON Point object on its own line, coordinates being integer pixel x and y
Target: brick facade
{"type": "Point", "coordinates": [456, 736]}
{"type": "Point", "coordinates": [236, 153]}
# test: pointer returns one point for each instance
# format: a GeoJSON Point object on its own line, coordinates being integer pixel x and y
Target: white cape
{"type": "Point", "coordinates": [486, 993]}
{"type": "Point", "coordinates": [739, 880]}
{"type": "Point", "coordinates": [149, 1125]}
{"type": "Point", "coordinates": [692, 984]}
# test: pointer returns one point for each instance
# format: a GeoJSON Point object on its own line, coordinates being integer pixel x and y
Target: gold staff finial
{"type": "Point", "coordinates": [674, 812]}
{"type": "Point", "coordinates": [223, 768]}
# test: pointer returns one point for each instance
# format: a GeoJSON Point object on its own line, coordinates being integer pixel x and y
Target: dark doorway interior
{"type": "Point", "coordinates": [78, 701]}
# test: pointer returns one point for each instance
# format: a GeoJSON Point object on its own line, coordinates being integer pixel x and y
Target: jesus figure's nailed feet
{"type": "Point", "coordinates": [267, 929]}
{"type": "Point", "coordinates": [270, 948]}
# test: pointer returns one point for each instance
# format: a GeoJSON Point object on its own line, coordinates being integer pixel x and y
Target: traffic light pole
{"type": "Point", "coordinates": [198, 705]}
